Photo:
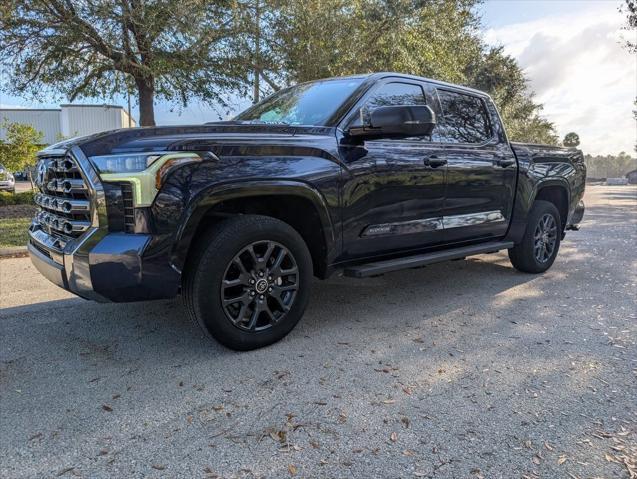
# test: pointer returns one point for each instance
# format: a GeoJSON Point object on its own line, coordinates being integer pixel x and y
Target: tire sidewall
{"type": "Point", "coordinates": [211, 270]}
{"type": "Point", "coordinates": [540, 209]}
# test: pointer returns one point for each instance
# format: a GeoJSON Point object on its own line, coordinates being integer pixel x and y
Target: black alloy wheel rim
{"type": "Point", "coordinates": [259, 286]}
{"type": "Point", "coordinates": [545, 238]}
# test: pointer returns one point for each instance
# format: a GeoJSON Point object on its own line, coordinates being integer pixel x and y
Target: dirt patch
{"type": "Point", "coordinates": [17, 211]}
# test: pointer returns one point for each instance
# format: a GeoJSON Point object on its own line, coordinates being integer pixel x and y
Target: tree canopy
{"type": "Point", "coordinates": [19, 149]}
{"type": "Point", "coordinates": [571, 139]}
{"type": "Point", "coordinates": [179, 50]}
{"type": "Point", "coordinates": [172, 49]}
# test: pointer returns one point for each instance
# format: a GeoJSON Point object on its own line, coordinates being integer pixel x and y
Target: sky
{"type": "Point", "coordinates": [570, 51]}
{"type": "Point", "coordinates": [572, 55]}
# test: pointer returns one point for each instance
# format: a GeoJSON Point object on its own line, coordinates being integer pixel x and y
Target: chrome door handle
{"type": "Point", "coordinates": [434, 161]}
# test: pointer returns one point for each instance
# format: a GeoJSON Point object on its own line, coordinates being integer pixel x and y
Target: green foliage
{"type": "Point", "coordinates": [19, 149]}
{"type": "Point", "coordinates": [312, 39]}
{"type": "Point", "coordinates": [174, 49]}
{"type": "Point", "coordinates": [181, 50]}
{"type": "Point", "coordinates": [609, 166]}
{"type": "Point", "coordinates": [571, 139]}
{"type": "Point", "coordinates": [24, 198]}
{"type": "Point", "coordinates": [321, 38]}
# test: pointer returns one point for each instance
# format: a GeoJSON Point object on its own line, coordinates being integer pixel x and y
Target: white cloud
{"type": "Point", "coordinates": [581, 73]}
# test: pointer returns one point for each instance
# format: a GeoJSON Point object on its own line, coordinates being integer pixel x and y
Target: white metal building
{"type": "Point", "coordinates": [68, 120]}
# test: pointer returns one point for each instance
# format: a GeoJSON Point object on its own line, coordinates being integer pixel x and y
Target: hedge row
{"type": "Point", "coordinates": [24, 198]}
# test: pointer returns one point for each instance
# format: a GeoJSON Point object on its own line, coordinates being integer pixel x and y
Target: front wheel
{"type": "Point", "coordinates": [541, 241]}
{"type": "Point", "coordinates": [247, 282]}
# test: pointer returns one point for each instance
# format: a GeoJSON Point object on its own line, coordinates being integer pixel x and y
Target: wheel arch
{"type": "Point", "coordinates": [556, 192]}
{"type": "Point", "coordinates": [294, 202]}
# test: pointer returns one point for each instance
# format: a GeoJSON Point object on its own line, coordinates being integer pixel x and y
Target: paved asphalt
{"type": "Point", "coordinates": [459, 370]}
{"type": "Point", "coordinates": [22, 186]}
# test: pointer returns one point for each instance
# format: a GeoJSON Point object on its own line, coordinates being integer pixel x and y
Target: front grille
{"type": "Point", "coordinates": [63, 199]}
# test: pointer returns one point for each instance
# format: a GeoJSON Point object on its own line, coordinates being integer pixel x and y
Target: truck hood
{"type": "Point", "coordinates": [207, 137]}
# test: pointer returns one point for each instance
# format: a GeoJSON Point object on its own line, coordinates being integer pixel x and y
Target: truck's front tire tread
{"type": "Point", "coordinates": [207, 262]}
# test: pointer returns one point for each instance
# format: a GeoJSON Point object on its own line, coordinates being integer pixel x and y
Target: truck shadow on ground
{"type": "Point", "coordinates": [336, 306]}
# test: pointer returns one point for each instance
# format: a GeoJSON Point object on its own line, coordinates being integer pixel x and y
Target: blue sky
{"type": "Point", "coordinates": [569, 49]}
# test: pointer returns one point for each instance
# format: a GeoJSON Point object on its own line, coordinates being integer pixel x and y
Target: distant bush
{"type": "Point", "coordinates": [24, 198]}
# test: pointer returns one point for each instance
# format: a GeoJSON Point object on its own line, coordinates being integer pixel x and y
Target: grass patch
{"type": "Point", "coordinates": [13, 232]}
{"type": "Point", "coordinates": [24, 198]}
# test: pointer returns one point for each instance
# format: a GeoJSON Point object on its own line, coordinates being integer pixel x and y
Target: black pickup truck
{"type": "Point", "coordinates": [364, 174]}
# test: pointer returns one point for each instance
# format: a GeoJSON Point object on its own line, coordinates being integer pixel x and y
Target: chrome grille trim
{"type": "Point", "coordinates": [62, 205]}
{"type": "Point", "coordinates": [68, 186]}
{"type": "Point", "coordinates": [64, 165]}
{"type": "Point", "coordinates": [51, 245]}
{"type": "Point", "coordinates": [61, 224]}
{"type": "Point", "coordinates": [65, 210]}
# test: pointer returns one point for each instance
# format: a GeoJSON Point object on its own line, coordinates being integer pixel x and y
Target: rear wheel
{"type": "Point", "coordinates": [541, 242]}
{"type": "Point", "coordinates": [247, 282]}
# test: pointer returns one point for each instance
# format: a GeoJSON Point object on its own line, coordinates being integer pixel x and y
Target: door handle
{"type": "Point", "coordinates": [504, 162]}
{"type": "Point", "coordinates": [434, 161]}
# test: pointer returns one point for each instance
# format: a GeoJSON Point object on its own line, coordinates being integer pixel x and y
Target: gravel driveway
{"type": "Point", "coordinates": [460, 370]}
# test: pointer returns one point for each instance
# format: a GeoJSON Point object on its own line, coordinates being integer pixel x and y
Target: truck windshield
{"type": "Point", "coordinates": [306, 104]}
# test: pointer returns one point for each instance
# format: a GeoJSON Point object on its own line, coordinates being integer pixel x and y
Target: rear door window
{"type": "Point", "coordinates": [464, 119]}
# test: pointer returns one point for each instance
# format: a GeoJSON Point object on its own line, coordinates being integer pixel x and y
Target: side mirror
{"type": "Point", "coordinates": [401, 121]}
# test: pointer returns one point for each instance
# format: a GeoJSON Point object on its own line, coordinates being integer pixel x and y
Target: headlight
{"type": "Point", "coordinates": [127, 163]}
{"type": "Point", "coordinates": [145, 171]}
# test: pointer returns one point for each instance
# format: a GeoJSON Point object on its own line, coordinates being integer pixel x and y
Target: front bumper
{"type": "Point", "coordinates": [112, 269]}
{"type": "Point", "coordinates": [94, 263]}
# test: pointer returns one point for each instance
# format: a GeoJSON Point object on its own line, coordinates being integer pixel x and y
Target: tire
{"type": "Point", "coordinates": [543, 230]}
{"type": "Point", "coordinates": [226, 264]}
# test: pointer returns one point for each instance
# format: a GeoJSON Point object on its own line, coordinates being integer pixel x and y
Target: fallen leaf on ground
{"type": "Point", "coordinates": [107, 408]}
{"type": "Point", "coordinates": [292, 469]}
{"type": "Point", "coordinates": [159, 467]}
{"type": "Point", "coordinates": [393, 437]}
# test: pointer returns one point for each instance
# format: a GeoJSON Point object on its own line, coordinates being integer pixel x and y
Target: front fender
{"type": "Point", "coordinates": [212, 196]}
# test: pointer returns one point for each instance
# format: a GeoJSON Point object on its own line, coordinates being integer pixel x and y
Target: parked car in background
{"type": "Point", "coordinates": [365, 175]}
{"type": "Point", "coordinates": [7, 180]}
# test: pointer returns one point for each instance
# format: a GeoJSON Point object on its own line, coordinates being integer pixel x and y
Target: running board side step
{"type": "Point", "coordinates": [380, 267]}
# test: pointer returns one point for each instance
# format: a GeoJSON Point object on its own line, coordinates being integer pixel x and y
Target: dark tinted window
{"type": "Point", "coordinates": [394, 94]}
{"type": "Point", "coordinates": [464, 119]}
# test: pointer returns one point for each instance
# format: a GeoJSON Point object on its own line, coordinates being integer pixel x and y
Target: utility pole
{"type": "Point", "coordinates": [257, 51]}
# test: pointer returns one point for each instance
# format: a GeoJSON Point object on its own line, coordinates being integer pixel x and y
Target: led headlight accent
{"type": "Point", "coordinates": [126, 163]}
{"type": "Point", "coordinates": [146, 180]}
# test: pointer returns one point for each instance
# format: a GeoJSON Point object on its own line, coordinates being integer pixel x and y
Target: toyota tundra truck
{"type": "Point", "coordinates": [361, 175]}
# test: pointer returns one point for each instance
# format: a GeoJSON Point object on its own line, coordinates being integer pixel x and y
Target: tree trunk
{"type": "Point", "coordinates": [146, 90]}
